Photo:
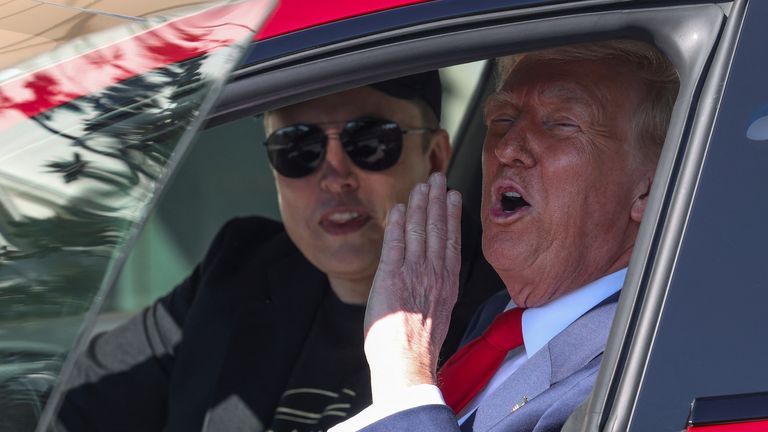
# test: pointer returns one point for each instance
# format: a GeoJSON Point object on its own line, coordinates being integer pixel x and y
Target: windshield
{"type": "Point", "coordinates": [88, 134]}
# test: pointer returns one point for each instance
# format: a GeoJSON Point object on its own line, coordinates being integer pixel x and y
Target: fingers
{"type": "Point", "coordinates": [393, 250]}
{"type": "Point", "coordinates": [436, 229]}
{"type": "Point", "coordinates": [415, 221]}
{"type": "Point", "coordinates": [453, 244]}
{"type": "Point", "coordinates": [432, 226]}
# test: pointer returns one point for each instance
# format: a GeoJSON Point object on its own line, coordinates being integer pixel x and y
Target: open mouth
{"type": "Point", "coordinates": [343, 217]}
{"type": "Point", "coordinates": [340, 222]}
{"type": "Point", "coordinates": [512, 201]}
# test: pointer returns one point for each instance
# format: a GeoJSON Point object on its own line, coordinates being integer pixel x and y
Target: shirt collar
{"type": "Point", "coordinates": [541, 324]}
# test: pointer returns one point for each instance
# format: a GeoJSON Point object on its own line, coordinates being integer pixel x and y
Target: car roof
{"type": "Point", "coordinates": [346, 19]}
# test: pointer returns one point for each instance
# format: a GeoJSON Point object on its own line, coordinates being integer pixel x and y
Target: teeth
{"type": "Point", "coordinates": [343, 217]}
{"type": "Point", "coordinates": [512, 201]}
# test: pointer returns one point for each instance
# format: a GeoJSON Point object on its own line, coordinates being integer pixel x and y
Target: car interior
{"type": "Point", "coordinates": [225, 173]}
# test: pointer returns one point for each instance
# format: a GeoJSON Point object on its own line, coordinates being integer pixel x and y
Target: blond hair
{"type": "Point", "coordinates": [653, 68]}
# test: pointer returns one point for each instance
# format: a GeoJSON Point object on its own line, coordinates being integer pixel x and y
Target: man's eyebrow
{"type": "Point", "coordinates": [561, 92]}
{"type": "Point", "coordinates": [497, 100]}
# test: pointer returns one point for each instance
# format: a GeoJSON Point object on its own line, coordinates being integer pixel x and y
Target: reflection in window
{"type": "Point", "coordinates": [84, 145]}
{"type": "Point", "coordinates": [73, 181]}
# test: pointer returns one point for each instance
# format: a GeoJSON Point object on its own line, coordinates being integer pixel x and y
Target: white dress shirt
{"type": "Point", "coordinates": [539, 324]}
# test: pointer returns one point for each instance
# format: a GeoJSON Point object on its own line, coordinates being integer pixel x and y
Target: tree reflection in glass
{"type": "Point", "coordinates": [85, 142]}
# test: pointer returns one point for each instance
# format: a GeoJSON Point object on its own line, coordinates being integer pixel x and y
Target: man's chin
{"type": "Point", "coordinates": [348, 262]}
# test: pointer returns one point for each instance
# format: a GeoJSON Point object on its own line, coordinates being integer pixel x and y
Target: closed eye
{"type": "Point", "coordinates": [563, 126]}
{"type": "Point", "coordinates": [500, 125]}
{"type": "Point", "coordinates": [500, 120]}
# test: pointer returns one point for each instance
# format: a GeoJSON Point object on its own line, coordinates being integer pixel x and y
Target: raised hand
{"type": "Point", "coordinates": [414, 290]}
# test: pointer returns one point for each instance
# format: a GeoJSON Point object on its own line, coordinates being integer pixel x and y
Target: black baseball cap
{"type": "Point", "coordinates": [425, 86]}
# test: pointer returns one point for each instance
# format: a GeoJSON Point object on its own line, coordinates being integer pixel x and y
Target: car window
{"type": "Point", "coordinates": [225, 175]}
{"type": "Point", "coordinates": [87, 141]}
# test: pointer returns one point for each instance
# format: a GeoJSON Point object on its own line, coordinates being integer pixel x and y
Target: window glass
{"type": "Point", "coordinates": [86, 141]}
{"type": "Point", "coordinates": [224, 175]}
{"type": "Point", "coordinates": [459, 85]}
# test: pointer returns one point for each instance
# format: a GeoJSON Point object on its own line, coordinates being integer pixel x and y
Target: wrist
{"type": "Point", "coordinates": [392, 374]}
{"type": "Point", "coordinates": [391, 385]}
{"type": "Point", "coordinates": [407, 359]}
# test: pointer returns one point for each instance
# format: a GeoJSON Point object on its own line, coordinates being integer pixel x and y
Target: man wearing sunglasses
{"type": "Point", "coordinates": [265, 334]}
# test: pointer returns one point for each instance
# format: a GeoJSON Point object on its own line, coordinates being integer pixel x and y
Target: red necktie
{"type": "Point", "coordinates": [470, 368]}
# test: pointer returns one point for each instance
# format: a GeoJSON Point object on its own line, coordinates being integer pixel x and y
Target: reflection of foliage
{"type": "Point", "coordinates": [123, 137]}
{"type": "Point", "coordinates": [116, 145]}
{"type": "Point", "coordinates": [75, 228]}
{"type": "Point", "coordinates": [71, 170]}
{"type": "Point", "coordinates": [63, 262]}
{"type": "Point", "coordinates": [136, 122]}
{"type": "Point", "coordinates": [56, 283]}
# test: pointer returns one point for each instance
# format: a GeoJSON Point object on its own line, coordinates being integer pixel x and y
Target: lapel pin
{"type": "Point", "coordinates": [520, 403]}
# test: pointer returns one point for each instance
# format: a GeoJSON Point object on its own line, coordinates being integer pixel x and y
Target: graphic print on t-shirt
{"type": "Point", "coordinates": [330, 380]}
{"type": "Point", "coordinates": [293, 414]}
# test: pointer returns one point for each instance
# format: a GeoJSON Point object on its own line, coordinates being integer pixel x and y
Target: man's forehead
{"type": "Point", "coordinates": [571, 82]}
{"type": "Point", "coordinates": [562, 91]}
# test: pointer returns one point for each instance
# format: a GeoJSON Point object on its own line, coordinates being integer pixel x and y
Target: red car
{"type": "Point", "coordinates": [104, 205]}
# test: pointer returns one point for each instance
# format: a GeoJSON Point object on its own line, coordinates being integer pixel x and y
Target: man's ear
{"type": "Point", "coordinates": [439, 151]}
{"type": "Point", "coordinates": [641, 199]}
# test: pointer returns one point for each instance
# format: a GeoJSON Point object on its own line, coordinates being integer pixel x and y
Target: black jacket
{"type": "Point", "coordinates": [216, 353]}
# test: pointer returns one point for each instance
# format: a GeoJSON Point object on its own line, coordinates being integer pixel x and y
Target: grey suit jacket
{"type": "Point", "coordinates": [537, 397]}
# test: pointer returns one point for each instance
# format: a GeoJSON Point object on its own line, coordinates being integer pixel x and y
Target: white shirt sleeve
{"type": "Point", "coordinates": [412, 397]}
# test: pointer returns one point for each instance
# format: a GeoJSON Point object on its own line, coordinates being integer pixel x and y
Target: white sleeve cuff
{"type": "Point", "coordinates": [412, 397]}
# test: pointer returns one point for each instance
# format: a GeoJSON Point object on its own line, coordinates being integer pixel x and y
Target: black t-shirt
{"type": "Point", "coordinates": [330, 381]}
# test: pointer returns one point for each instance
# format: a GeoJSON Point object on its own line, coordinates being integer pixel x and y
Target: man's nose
{"type": "Point", "coordinates": [515, 148]}
{"type": "Point", "coordinates": [337, 173]}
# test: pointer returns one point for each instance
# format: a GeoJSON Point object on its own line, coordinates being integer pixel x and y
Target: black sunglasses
{"type": "Point", "coordinates": [372, 144]}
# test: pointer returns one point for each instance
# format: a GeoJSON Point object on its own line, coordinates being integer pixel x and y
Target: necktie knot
{"type": "Point", "coordinates": [506, 330]}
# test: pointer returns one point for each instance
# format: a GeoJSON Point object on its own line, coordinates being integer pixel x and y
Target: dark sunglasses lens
{"type": "Point", "coordinates": [296, 151]}
{"type": "Point", "coordinates": [372, 144]}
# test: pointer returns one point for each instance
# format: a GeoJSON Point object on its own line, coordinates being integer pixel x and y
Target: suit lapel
{"type": "Point", "coordinates": [513, 402]}
{"type": "Point", "coordinates": [273, 320]}
{"type": "Point", "coordinates": [529, 381]}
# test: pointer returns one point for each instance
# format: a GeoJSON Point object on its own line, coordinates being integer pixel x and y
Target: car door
{"type": "Point", "coordinates": [89, 133]}
{"type": "Point", "coordinates": [697, 335]}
